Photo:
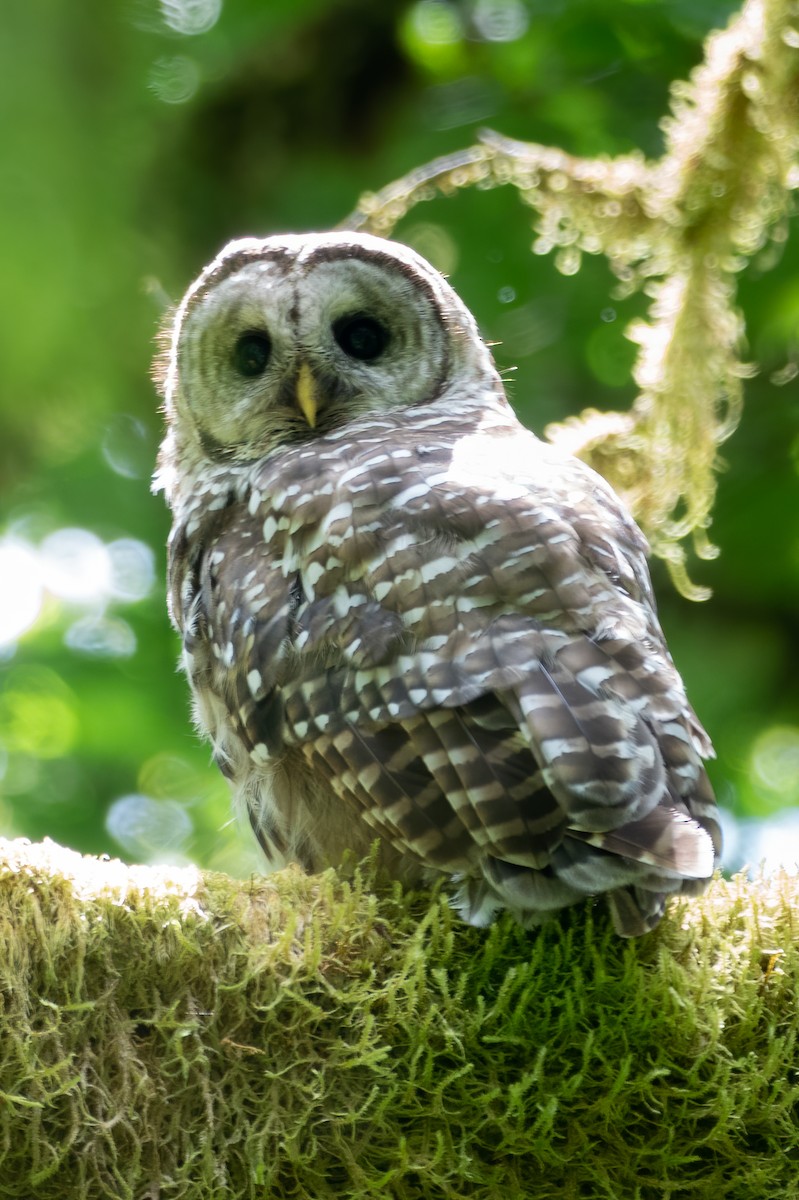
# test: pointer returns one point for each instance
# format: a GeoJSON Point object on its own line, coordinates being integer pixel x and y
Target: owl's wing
{"type": "Point", "coordinates": [559, 765]}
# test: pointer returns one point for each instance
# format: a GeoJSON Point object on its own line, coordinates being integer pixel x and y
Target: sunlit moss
{"type": "Point", "coordinates": [307, 1037]}
{"type": "Point", "coordinates": [682, 228]}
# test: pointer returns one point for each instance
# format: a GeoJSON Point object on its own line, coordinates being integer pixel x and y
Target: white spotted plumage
{"type": "Point", "coordinates": [403, 615]}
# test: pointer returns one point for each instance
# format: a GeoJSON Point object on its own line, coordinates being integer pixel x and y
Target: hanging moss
{"type": "Point", "coordinates": [176, 1034]}
{"type": "Point", "coordinates": [682, 228]}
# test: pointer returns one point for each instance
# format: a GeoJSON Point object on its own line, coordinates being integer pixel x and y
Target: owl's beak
{"type": "Point", "coordinates": [306, 395]}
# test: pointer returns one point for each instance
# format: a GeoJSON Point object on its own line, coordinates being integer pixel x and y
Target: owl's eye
{"type": "Point", "coordinates": [251, 353]}
{"type": "Point", "coordinates": [361, 336]}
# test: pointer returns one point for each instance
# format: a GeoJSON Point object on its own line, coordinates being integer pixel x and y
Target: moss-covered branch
{"type": "Point", "coordinates": [176, 1034]}
{"type": "Point", "coordinates": [682, 227]}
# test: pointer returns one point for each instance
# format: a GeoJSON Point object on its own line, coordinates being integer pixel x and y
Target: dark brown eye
{"type": "Point", "coordinates": [361, 337]}
{"type": "Point", "coordinates": [251, 353]}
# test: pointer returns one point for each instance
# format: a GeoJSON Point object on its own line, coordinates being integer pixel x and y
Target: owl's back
{"type": "Point", "coordinates": [435, 630]}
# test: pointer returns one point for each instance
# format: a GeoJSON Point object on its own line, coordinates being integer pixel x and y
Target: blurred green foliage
{"type": "Point", "coordinates": [137, 138]}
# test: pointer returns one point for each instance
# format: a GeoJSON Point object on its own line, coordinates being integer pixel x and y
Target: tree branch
{"type": "Point", "coordinates": [681, 227]}
{"type": "Point", "coordinates": [169, 1033]}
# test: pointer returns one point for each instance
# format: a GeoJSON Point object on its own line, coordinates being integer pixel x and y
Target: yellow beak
{"type": "Point", "coordinates": [307, 400]}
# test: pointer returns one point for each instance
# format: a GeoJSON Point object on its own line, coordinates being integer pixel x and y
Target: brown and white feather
{"type": "Point", "coordinates": [421, 623]}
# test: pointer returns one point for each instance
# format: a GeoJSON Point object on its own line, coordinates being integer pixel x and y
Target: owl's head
{"type": "Point", "coordinates": [286, 338]}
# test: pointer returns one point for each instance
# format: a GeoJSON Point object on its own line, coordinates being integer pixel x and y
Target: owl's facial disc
{"type": "Point", "coordinates": [280, 343]}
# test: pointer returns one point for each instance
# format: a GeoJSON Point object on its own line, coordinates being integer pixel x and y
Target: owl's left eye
{"type": "Point", "coordinates": [251, 353]}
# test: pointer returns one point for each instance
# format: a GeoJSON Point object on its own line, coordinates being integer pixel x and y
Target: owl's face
{"type": "Point", "coordinates": [288, 338]}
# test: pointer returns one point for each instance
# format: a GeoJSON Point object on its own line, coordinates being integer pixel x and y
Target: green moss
{"type": "Point", "coordinates": [183, 1035]}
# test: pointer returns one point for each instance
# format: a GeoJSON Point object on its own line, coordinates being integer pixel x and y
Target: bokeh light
{"type": "Point", "coordinates": [775, 763]}
{"type": "Point", "coordinates": [75, 565]}
{"type": "Point", "coordinates": [149, 830]}
{"type": "Point", "coordinates": [434, 243]}
{"type": "Point", "coordinates": [21, 589]}
{"type": "Point", "coordinates": [102, 637]}
{"type": "Point", "coordinates": [191, 17]}
{"type": "Point", "coordinates": [76, 568]}
{"type": "Point", "coordinates": [169, 777]}
{"type": "Point", "coordinates": [175, 79]}
{"type": "Point", "coordinates": [772, 844]}
{"type": "Point", "coordinates": [128, 448]}
{"type": "Point", "coordinates": [500, 20]}
{"type": "Point", "coordinates": [132, 569]}
{"type": "Point", "coordinates": [39, 729]}
{"type": "Point", "coordinates": [436, 22]}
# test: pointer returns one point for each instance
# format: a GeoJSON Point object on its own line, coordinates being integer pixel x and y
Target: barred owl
{"type": "Point", "coordinates": [405, 617]}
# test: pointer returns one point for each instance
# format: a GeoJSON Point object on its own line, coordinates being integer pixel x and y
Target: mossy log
{"type": "Point", "coordinates": [171, 1033]}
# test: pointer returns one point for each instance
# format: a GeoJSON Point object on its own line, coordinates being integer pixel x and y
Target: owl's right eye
{"type": "Point", "coordinates": [360, 336]}
{"type": "Point", "coordinates": [251, 353]}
